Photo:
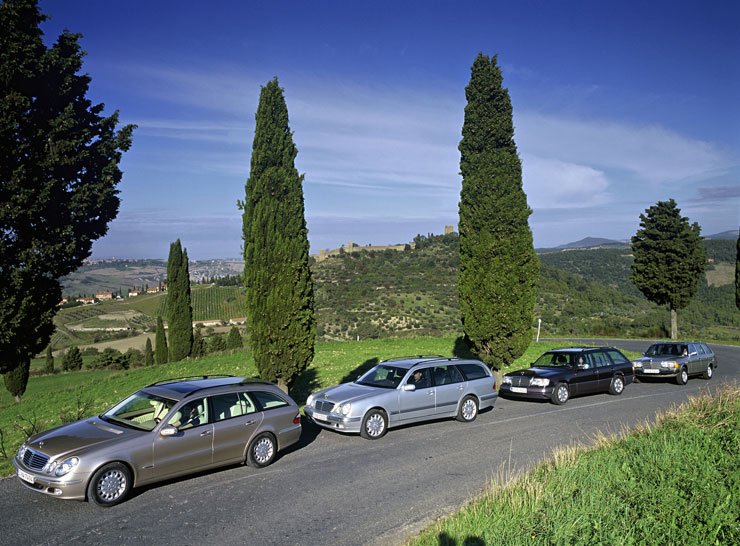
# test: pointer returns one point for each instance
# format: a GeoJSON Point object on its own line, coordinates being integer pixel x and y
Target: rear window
{"type": "Point", "coordinates": [473, 371]}
{"type": "Point", "coordinates": [269, 400]}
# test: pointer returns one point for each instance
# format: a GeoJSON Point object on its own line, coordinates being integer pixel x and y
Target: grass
{"type": "Point", "coordinates": [52, 399]}
{"type": "Point", "coordinates": [673, 482]}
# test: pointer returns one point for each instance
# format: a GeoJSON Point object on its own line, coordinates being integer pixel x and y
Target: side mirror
{"type": "Point", "coordinates": [169, 430]}
{"type": "Point", "coordinates": [408, 388]}
{"type": "Point", "coordinates": [693, 353]}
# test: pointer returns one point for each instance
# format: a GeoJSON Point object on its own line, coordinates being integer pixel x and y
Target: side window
{"type": "Point", "coordinates": [693, 348]}
{"type": "Point", "coordinates": [268, 400]}
{"type": "Point", "coordinates": [421, 377]}
{"type": "Point", "coordinates": [599, 359]}
{"type": "Point", "coordinates": [472, 371]}
{"type": "Point", "coordinates": [618, 358]}
{"type": "Point", "coordinates": [226, 406]}
{"type": "Point", "coordinates": [707, 350]}
{"type": "Point", "coordinates": [700, 348]}
{"type": "Point", "coordinates": [190, 415]}
{"type": "Point", "coordinates": [445, 375]}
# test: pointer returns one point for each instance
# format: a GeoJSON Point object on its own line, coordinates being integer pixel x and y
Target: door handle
{"type": "Point", "coordinates": [205, 433]}
{"type": "Point", "coordinates": [430, 393]}
{"type": "Point", "coordinates": [250, 422]}
{"type": "Point", "coordinates": [460, 388]}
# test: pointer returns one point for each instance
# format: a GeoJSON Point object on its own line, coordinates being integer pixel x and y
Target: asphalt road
{"type": "Point", "coordinates": [344, 490]}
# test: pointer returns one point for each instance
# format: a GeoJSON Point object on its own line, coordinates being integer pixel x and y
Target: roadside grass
{"type": "Point", "coordinates": [52, 399]}
{"type": "Point", "coordinates": [675, 481]}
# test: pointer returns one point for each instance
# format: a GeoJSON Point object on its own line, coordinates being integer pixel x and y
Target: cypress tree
{"type": "Point", "coordinates": [161, 353]}
{"type": "Point", "coordinates": [179, 310]}
{"type": "Point", "coordinates": [72, 360]}
{"type": "Point", "coordinates": [148, 353]}
{"type": "Point", "coordinates": [199, 345]}
{"type": "Point", "coordinates": [279, 289]}
{"type": "Point", "coordinates": [234, 341]}
{"type": "Point", "coordinates": [16, 379]}
{"type": "Point", "coordinates": [669, 258]}
{"type": "Point", "coordinates": [49, 360]}
{"type": "Point", "coordinates": [59, 170]}
{"type": "Point", "coordinates": [498, 266]}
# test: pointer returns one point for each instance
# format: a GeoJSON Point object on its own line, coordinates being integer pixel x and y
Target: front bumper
{"type": "Point", "coordinates": [663, 372]}
{"type": "Point", "coordinates": [333, 422]}
{"type": "Point", "coordinates": [532, 393]}
{"type": "Point", "coordinates": [71, 486]}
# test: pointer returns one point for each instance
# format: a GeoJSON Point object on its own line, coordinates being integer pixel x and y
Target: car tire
{"type": "Point", "coordinates": [560, 394]}
{"type": "Point", "coordinates": [616, 386]}
{"type": "Point", "coordinates": [468, 410]}
{"type": "Point", "coordinates": [708, 372]}
{"type": "Point", "coordinates": [683, 376]}
{"type": "Point", "coordinates": [374, 425]}
{"type": "Point", "coordinates": [262, 450]}
{"type": "Point", "coordinates": [110, 485]}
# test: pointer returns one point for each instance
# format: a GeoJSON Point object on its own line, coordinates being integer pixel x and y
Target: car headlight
{"type": "Point", "coordinates": [506, 380]}
{"type": "Point", "coordinates": [539, 382]}
{"type": "Point", "coordinates": [636, 364]}
{"type": "Point", "coordinates": [342, 409]}
{"type": "Point", "coordinates": [669, 364]}
{"type": "Point", "coordinates": [65, 467]}
{"type": "Point", "coordinates": [21, 452]}
{"type": "Point", "coordinates": [309, 400]}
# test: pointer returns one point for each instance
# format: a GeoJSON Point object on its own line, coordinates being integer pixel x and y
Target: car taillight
{"type": "Point", "coordinates": [297, 419]}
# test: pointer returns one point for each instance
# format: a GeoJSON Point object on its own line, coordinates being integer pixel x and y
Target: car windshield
{"type": "Point", "coordinates": [141, 410]}
{"type": "Point", "coordinates": [555, 360]}
{"type": "Point", "coordinates": [385, 377]}
{"type": "Point", "coordinates": [667, 349]}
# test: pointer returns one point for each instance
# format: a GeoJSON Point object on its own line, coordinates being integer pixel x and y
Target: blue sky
{"type": "Point", "coordinates": [617, 105]}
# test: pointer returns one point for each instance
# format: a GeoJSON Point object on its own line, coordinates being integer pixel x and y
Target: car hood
{"type": "Point", "coordinates": [662, 358]}
{"type": "Point", "coordinates": [78, 436]}
{"type": "Point", "coordinates": [539, 372]}
{"type": "Point", "coordinates": [348, 392]}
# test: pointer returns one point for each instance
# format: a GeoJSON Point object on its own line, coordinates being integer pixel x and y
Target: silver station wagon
{"type": "Point", "coordinates": [404, 390]}
{"type": "Point", "coordinates": [165, 430]}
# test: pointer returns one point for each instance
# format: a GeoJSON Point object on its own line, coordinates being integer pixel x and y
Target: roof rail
{"type": "Point", "coordinates": [185, 378]}
{"type": "Point", "coordinates": [428, 357]}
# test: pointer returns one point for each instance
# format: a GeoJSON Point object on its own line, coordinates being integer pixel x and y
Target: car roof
{"type": "Point", "coordinates": [408, 362]}
{"type": "Point", "coordinates": [183, 387]}
{"type": "Point", "coordinates": [577, 349]}
{"type": "Point", "coordinates": [676, 342]}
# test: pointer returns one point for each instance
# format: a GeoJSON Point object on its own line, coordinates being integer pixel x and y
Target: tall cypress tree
{"type": "Point", "coordinates": [279, 289]}
{"type": "Point", "coordinates": [669, 258]}
{"type": "Point", "coordinates": [179, 310]}
{"type": "Point", "coordinates": [59, 170]}
{"type": "Point", "coordinates": [161, 354]}
{"type": "Point", "coordinates": [49, 360]}
{"type": "Point", "coordinates": [148, 353]}
{"type": "Point", "coordinates": [498, 266]}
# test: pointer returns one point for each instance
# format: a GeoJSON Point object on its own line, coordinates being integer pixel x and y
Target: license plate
{"type": "Point", "coordinates": [25, 476]}
{"type": "Point", "coordinates": [650, 371]}
{"type": "Point", "coordinates": [320, 416]}
{"type": "Point", "coordinates": [519, 389]}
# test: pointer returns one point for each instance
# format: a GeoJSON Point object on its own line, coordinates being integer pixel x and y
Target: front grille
{"type": "Point", "coordinates": [34, 460]}
{"type": "Point", "coordinates": [324, 406]}
{"type": "Point", "coordinates": [519, 381]}
{"type": "Point", "coordinates": [651, 365]}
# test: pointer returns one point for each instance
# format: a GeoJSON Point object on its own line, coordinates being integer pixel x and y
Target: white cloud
{"type": "Point", "coordinates": [552, 183]}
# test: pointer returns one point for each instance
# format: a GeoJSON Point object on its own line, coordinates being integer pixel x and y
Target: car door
{"type": "Point", "coordinates": [585, 375]}
{"type": "Point", "coordinates": [235, 419]}
{"type": "Point", "coordinates": [191, 449]}
{"type": "Point", "coordinates": [449, 384]}
{"type": "Point", "coordinates": [604, 371]}
{"type": "Point", "coordinates": [697, 362]}
{"type": "Point", "coordinates": [420, 402]}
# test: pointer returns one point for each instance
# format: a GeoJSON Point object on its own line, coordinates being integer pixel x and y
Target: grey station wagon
{"type": "Point", "coordinates": [165, 430]}
{"type": "Point", "coordinates": [676, 359]}
{"type": "Point", "coordinates": [404, 390]}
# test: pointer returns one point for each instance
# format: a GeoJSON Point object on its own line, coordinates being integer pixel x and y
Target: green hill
{"type": "Point", "coordinates": [374, 294]}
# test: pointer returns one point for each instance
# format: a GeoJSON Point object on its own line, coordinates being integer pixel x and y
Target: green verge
{"type": "Point", "coordinates": [673, 482]}
{"type": "Point", "coordinates": [53, 399]}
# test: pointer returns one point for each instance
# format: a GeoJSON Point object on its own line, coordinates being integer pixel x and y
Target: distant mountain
{"type": "Point", "coordinates": [729, 235]}
{"type": "Point", "coordinates": [587, 242]}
